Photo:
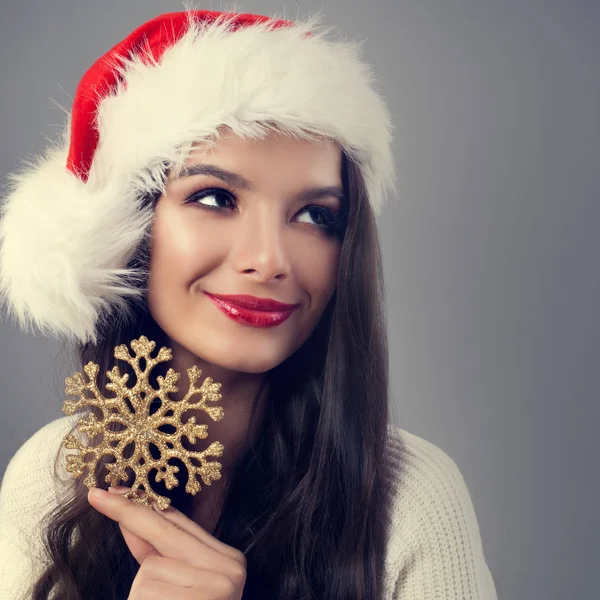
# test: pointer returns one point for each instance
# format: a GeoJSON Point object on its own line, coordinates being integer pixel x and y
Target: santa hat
{"type": "Point", "coordinates": [72, 221]}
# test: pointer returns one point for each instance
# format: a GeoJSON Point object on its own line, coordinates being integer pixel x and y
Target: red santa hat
{"type": "Point", "coordinates": [72, 221]}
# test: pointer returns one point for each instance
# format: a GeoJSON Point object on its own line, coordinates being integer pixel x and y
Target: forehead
{"type": "Point", "coordinates": [274, 148]}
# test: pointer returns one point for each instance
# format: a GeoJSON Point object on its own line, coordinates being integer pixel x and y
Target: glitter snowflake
{"type": "Point", "coordinates": [141, 427]}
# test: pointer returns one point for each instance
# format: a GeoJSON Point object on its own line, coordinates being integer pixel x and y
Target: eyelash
{"type": "Point", "coordinates": [333, 224]}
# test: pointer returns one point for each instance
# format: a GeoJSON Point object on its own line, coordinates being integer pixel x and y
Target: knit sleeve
{"type": "Point", "coordinates": [27, 493]}
{"type": "Point", "coordinates": [442, 556]}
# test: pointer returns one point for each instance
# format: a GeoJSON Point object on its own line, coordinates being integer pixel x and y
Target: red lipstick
{"type": "Point", "coordinates": [251, 310]}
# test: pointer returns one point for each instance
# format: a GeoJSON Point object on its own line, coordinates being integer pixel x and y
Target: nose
{"type": "Point", "coordinates": [260, 248]}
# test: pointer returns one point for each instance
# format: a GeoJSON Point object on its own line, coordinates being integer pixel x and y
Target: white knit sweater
{"type": "Point", "coordinates": [434, 550]}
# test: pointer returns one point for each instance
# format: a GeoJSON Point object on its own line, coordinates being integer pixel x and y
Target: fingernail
{"type": "Point", "coordinates": [118, 489]}
{"type": "Point", "coordinates": [97, 493]}
{"type": "Point", "coordinates": [170, 509]}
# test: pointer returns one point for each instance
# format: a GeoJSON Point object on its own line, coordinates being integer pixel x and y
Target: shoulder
{"type": "Point", "coordinates": [30, 475]}
{"type": "Point", "coordinates": [434, 533]}
{"type": "Point", "coordinates": [422, 470]}
{"type": "Point", "coordinates": [427, 486]}
{"type": "Point", "coordinates": [29, 489]}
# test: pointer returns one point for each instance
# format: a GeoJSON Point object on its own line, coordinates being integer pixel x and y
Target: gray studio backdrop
{"type": "Point", "coordinates": [491, 248]}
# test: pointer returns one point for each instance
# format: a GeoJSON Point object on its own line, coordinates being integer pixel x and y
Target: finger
{"type": "Point", "coordinates": [139, 548]}
{"type": "Point", "coordinates": [170, 540]}
{"type": "Point", "coordinates": [191, 527]}
{"type": "Point", "coordinates": [158, 590]}
{"type": "Point", "coordinates": [167, 570]}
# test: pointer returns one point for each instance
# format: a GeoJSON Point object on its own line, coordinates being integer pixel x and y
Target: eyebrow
{"type": "Point", "coordinates": [237, 181]}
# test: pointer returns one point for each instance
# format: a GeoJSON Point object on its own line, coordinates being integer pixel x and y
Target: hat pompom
{"type": "Point", "coordinates": [63, 244]}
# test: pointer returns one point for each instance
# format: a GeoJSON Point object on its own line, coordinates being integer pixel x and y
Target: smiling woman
{"type": "Point", "coordinates": [234, 222]}
{"type": "Point", "coordinates": [264, 245]}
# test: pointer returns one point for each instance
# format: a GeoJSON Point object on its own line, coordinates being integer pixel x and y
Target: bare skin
{"type": "Point", "coordinates": [263, 241]}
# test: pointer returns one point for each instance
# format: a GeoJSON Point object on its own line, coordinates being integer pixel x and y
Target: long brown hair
{"type": "Point", "coordinates": [308, 501]}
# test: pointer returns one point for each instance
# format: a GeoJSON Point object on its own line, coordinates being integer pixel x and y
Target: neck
{"type": "Point", "coordinates": [238, 391]}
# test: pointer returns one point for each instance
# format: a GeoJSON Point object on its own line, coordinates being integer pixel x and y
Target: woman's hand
{"type": "Point", "coordinates": [179, 560]}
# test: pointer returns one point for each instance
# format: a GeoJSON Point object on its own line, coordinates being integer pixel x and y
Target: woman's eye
{"type": "Point", "coordinates": [212, 194]}
{"type": "Point", "coordinates": [320, 215]}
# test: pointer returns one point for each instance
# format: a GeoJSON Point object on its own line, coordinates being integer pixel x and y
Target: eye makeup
{"type": "Point", "coordinates": [332, 222]}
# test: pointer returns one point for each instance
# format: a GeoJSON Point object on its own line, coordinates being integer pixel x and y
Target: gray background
{"type": "Point", "coordinates": [491, 248]}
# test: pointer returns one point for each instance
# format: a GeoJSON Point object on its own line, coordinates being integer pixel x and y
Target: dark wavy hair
{"type": "Point", "coordinates": [308, 500]}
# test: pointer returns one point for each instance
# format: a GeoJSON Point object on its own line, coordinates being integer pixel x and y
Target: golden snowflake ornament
{"type": "Point", "coordinates": [141, 427]}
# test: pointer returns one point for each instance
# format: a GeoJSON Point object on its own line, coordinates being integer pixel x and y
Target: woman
{"type": "Point", "coordinates": [209, 155]}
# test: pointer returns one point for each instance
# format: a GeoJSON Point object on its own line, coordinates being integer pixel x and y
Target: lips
{"type": "Point", "coordinates": [254, 303]}
{"type": "Point", "coordinates": [251, 316]}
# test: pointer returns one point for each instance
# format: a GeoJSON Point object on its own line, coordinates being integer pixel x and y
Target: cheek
{"type": "Point", "coordinates": [316, 268]}
{"type": "Point", "coordinates": [182, 249]}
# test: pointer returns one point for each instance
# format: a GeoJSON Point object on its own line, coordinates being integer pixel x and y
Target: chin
{"type": "Point", "coordinates": [248, 363]}
{"type": "Point", "coordinates": [251, 351]}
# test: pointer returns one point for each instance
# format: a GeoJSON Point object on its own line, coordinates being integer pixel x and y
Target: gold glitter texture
{"type": "Point", "coordinates": [141, 427]}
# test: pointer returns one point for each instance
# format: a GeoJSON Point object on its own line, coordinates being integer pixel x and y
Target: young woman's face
{"type": "Point", "coordinates": [261, 239]}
